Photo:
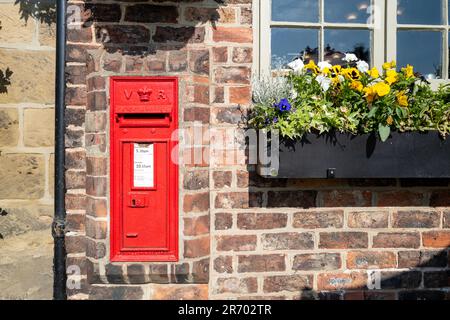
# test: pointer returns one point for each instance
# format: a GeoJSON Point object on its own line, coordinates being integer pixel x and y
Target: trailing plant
{"type": "Point", "coordinates": [352, 98]}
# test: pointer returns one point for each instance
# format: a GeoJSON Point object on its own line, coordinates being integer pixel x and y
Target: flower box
{"type": "Point", "coordinates": [338, 155]}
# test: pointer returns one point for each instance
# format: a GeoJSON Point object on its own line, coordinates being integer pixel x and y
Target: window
{"type": "Point", "coordinates": [408, 31]}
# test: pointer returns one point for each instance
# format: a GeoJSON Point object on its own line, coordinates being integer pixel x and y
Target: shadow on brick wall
{"type": "Point", "coordinates": [142, 29]}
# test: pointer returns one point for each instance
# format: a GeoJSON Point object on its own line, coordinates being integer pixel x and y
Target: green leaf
{"type": "Point", "coordinates": [384, 132]}
{"type": "Point", "coordinates": [372, 112]}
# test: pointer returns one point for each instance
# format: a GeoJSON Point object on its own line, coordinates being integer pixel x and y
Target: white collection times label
{"type": "Point", "coordinates": [143, 166]}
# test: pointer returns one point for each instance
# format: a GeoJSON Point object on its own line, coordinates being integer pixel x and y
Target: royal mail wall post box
{"type": "Point", "coordinates": [144, 176]}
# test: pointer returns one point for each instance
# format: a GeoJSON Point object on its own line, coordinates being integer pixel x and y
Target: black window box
{"type": "Point", "coordinates": [338, 155]}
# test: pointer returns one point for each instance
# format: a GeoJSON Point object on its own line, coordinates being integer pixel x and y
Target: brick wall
{"type": "Point", "coordinates": [241, 236]}
{"type": "Point", "coordinates": [26, 155]}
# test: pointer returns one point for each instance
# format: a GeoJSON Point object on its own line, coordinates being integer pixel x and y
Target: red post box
{"type": "Point", "coordinates": [144, 177]}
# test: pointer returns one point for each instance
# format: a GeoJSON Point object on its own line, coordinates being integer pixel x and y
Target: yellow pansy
{"type": "Point", "coordinates": [369, 94]}
{"type": "Point", "coordinates": [382, 89]}
{"type": "Point", "coordinates": [374, 73]}
{"type": "Point", "coordinates": [408, 71]}
{"type": "Point", "coordinates": [312, 66]}
{"type": "Point", "coordinates": [337, 69]}
{"type": "Point", "coordinates": [326, 71]}
{"type": "Point", "coordinates": [389, 65]}
{"type": "Point", "coordinates": [402, 99]}
{"type": "Point", "coordinates": [391, 76]}
{"type": "Point", "coordinates": [351, 73]}
{"type": "Point", "coordinates": [357, 85]}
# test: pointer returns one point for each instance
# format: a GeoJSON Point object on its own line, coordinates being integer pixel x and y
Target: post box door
{"type": "Point", "coordinates": [144, 205]}
{"type": "Point", "coordinates": [144, 178]}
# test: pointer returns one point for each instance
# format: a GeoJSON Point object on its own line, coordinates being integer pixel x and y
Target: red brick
{"type": "Point", "coordinates": [232, 75]}
{"type": "Point", "coordinates": [75, 179]}
{"type": "Point", "coordinates": [96, 207]}
{"type": "Point", "coordinates": [446, 219]}
{"type": "Point", "coordinates": [223, 264]}
{"type": "Point", "coordinates": [319, 219]}
{"type": "Point", "coordinates": [236, 285]}
{"type": "Point", "coordinates": [197, 202]}
{"type": "Point", "coordinates": [95, 249]}
{"type": "Point", "coordinates": [261, 221]}
{"type": "Point", "coordinates": [423, 259]}
{"type": "Point", "coordinates": [222, 179]}
{"type": "Point", "coordinates": [96, 186]}
{"type": "Point", "coordinates": [339, 281]}
{"type": "Point", "coordinates": [96, 166]}
{"type": "Point", "coordinates": [75, 201]}
{"type": "Point", "coordinates": [396, 240]}
{"type": "Point", "coordinates": [196, 180]}
{"type": "Point", "coordinates": [440, 199]}
{"type": "Point", "coordinates": [220, 54]}
{"type": "Point", "coordinates": [239, 200]}
{"type": "Point", "coordinates": [240, 95]}
{"type": "Point", "coordinates": [146, 13]}
{"type": "Point", "coordinates": [196, 226]}
{"type": "Point", "coordinates": [297, 199]}
{"type": "Point", "coordinates": [223, 221]}
{"type": "Point", "coordinates": [342, 198]}
{"type": "Point", "coordinates": [178, 61]}
{"type": "Point", "coordinates": [293, 283]}
{"type": "Point", "coordinates": [75, 96]}
{"type": "Point", "coordinates": [242, 55]}
{"type": "Point", "coordinates": [75, 222]}
{"type": "Point", "coordinates": [75, 243]}
{"type": "Point", "coordinates": [228, 34]}
{"type": "Point", "coordinates": [400, 199]}
{"type": "Point", "coordinates": [416, 219]}
{"type": "Point", "coordinates": [96, 229]}
{"type": "Point", "coordinates": [287, 241]}
{"type": "Point", "coordinates": [371, 260]}
{"type": "Point", "coordinates": [95, 122]}
{"type": "Point", "coordinates": [197, 114]}
{"type": "Point", "coordinates": [177, 292]}
{"type": "Point", "coordinates": [261, 263]}
{"type": "Point", "coordinates": [343, 240]}
{"type": "Point", "coordinates": [436, 239]}
{"type": "Point", "coordinates": [236, 243]}
{"type": "Point", "coordinates": [368, 219]}
{"type": "Point", "coordinates": [199, 61]}
{"type": "Point", "coordinates": [318, 261]}
{"type": "Point", "coordinates": [196, 247]}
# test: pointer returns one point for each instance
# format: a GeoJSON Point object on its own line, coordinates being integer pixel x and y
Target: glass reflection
{"type": "Point", "coordinates": [295, 10]}
{"type": "Point", "coordinates": [420, 12]}
{"type": "Point", "coordinates": [338, 42]}
{"type": "Point", "coordinates": [426, 57]}
{"type": "Point", "coordinates": [288, 44]}
{"type": "Point", "coordinates": [348, 11]}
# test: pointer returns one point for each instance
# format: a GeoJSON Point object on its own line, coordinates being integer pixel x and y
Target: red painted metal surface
{"type": "Point", "coordinates": [144, 179]}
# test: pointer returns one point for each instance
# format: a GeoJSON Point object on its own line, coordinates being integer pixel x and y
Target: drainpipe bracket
{"type": "Point", "coordinates": [58, 229]}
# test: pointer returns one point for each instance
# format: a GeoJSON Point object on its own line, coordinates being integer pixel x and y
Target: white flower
{"type": "Point", "coordinates": [362, 66]}
{"type": "Point", "coordinates": [297, 65]}
{"type": "Point", "coordinates": [324, 64]}
{"type": "Point", "coordinates": [324, 82]}
{"type": "Point", "coordinates": [294, 94]}
{"type": "Point", "coordinates": [350, 57]}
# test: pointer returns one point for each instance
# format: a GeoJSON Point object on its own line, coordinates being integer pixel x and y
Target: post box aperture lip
{"type": "Point", "coordinates": [143, 178]}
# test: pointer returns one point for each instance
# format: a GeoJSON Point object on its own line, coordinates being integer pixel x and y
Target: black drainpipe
{"type": "Point", "coordinates": [59, 220]}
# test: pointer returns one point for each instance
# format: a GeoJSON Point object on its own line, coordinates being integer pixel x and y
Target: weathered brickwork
{"type": "Point", "coordinates": [241, 236]}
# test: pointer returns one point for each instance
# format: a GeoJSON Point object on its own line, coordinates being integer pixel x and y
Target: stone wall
{"type": "Point", "coordinates": [241, 236]}
{"type": "Point", "coordinates": [26, 155]}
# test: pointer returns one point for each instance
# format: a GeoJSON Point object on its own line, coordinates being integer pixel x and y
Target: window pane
{"type": "Point", "coordinates": [420, 12]}
{"type": "Point", "coordinates": [295, 10]}
{"type": "Point", "coordinates": [348, 11]}
{"type": "Point", "coordinates": [287, 44]}
{"type": "Point", "coordinates": [422, 49]}
{"type": "Point", "coordinates": [338, 42]}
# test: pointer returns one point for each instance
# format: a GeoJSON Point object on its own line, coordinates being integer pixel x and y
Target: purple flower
{"type": "Point", "coordinates": [283, 105]}
{"type": "Point", "coordinates": [275, 120]}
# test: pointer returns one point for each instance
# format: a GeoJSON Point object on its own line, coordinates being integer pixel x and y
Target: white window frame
{"type": "Point", "coordinates": [383, 47]}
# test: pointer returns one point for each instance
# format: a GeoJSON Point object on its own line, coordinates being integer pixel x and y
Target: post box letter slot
{"type": "Point", "coordinates": [144, 120]}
